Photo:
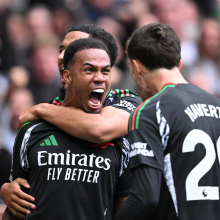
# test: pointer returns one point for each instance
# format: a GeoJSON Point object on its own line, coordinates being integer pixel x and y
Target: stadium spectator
{"type": "Point", "coordinates": [44, 82]}
{"type": "Point", "coordinates": [207, 64]}
{"type": "Point", "coordinates": [19, 100]}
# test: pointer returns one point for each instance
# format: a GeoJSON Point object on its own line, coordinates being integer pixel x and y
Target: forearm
{"type": "Point", "coordinates": [98, 128]}
{"type": "Point", "coordinates": [144, 196]}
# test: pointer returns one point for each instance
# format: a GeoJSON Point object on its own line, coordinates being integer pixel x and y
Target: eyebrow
{"type": "Point", "coordinates": [89, 64]}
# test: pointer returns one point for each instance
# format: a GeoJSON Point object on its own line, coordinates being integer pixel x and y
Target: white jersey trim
{"type": "Point", "coordinates": [125, 156]}
{"type": "Point", "coordinates": [164, 128]}
{"type": "Point", "coordinates": [23, 151]}
{"type": "Point", "coordinates": [168, 175]}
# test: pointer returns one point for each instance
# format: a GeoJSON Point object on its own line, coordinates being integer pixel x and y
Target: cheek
{"type": "Point", "coordinates": [108, 81]}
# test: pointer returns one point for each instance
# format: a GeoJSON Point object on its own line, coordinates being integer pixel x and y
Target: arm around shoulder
{"type": "Point", "coordinates": [109, 124]}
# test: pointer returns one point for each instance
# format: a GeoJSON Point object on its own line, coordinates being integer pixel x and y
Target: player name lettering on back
{"type": "Point", "coordinates": [195, 111]}
{"type": "Point", "coordinates": [126, 104]}
{"type": "Point", "coordinates": [140, 148]}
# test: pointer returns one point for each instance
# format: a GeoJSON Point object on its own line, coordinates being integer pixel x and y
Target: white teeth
{"type": "Point", "coordinates": [98, 90]}
{"type": "Point", "coordinates": [96, 104]}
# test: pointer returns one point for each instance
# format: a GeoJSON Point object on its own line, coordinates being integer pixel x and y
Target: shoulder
{"type": "Point", "coordinates": [35, 127]}
{"type": "Point", "coordinates": [29, 126]}
{"type": "Point", "coordinates": [123, 99]}
{"type": "Point", "coordinates": [57, 101]}
{"type": "Point", "coordinates": [148, 111]}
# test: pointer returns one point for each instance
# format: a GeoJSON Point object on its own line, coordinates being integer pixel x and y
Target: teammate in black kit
{"type": "Point", "coordinates": [72, 178]}
{"type": "Point", "coordinates": [99, 128]}
{"type": "Point", "coordinates": [174, 135]}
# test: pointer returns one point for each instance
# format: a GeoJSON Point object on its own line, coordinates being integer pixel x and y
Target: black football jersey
{"type": "Point", "coordinates": [70, 178]}
{"type": "Point", "coordinates": [178, 132]}
{"type": "Point", "coordinates": [122, 99]}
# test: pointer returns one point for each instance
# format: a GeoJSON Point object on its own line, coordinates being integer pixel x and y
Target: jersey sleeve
{"type": "Point", "coordinates": [123, 99]}
{"type": "Point", "coordinates": [20, 163]}
{"type": "Point", "coordinates": [125, 179]}
{"type": "Point", "coordinates": [18, 169]}
{"type": "Point", "coordinates": [145, 138]}
{"type": "Point", "coordinates": [144, 195]}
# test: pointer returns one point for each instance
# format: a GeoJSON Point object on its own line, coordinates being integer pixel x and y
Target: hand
{"type": "Point", "coordinates": [15, 198]}
{"type": "Point", "coordinates": [28, 115]}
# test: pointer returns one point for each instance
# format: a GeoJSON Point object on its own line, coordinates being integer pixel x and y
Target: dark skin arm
{"type": "Point", "coordinates": [110, 124]}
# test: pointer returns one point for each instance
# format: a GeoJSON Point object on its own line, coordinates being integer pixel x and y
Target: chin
{"type": "Point", "coordinates": [93, 111]}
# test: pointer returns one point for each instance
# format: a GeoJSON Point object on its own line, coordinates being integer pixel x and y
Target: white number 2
{"type": "Point", "coordinates": [193, 191]}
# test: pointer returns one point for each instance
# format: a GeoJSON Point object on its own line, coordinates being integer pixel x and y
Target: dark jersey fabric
{"type": "Point", "coordinates": [122, 99]}
{"type": "Point", "coordinates": [177, 132]}
{"type": "Point", "coordinates": [70, 178]}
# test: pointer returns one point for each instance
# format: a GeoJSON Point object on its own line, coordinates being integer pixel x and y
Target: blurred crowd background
{"type": "Point", "coordinates": [32, 30]}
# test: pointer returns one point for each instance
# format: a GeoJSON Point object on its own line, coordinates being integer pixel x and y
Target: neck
{"type": "Point", "coordinates": [69, 100]}
{"type": "Point", "coordinates": [164, 76]}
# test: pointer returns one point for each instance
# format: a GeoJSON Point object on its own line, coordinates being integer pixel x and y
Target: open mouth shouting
{"type": "Point", "coordinates": [95, 98]}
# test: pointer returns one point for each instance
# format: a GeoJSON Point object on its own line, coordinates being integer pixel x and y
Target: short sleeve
{"type": "Point", "coordinates": [123, 99]}
{"type": "Point", "coordinates": [144, 137]}
{"type": "Point", "coordinates": [20, 163]}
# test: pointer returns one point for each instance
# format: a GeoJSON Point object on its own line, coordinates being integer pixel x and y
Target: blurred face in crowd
{"type": "Point", "coordinates": [210, 39]}
{"type": "Point", "coordinates": [20, 100]}
{"type": "Point", "coordinates": [88, 79]}
{"type": "Point", "coordinates": [70, 37]}
{"type": "Point", "coordinates": [44, 62]}
{"type": "Point", "coordinates": [40, 21]}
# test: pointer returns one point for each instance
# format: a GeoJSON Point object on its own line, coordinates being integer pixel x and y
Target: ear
{"type": "Point", "coordinates": [180, 64]}
{"type": "Point", "coordinates": [137, 66]}
{"type": "Point", "coordinates": [67, 77]}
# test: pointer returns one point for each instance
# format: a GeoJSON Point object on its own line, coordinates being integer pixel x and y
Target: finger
{"type": "Point", "coordinates": [17, 203]}
{"type": "Point", "coordinates": [20, 195]}
{"type": "Point", "coordinates": [17, 208]}
{"type": "Point", "coordinates": [23, 182]}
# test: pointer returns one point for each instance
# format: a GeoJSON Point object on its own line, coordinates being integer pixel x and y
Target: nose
{"type": "Point", "coordinates": [99, 77]}
{"type": "Point", "coordinates": [60, 57]}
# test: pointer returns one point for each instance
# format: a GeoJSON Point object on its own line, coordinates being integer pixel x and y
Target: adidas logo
{"type": "Point", "coordinates": [49, 141]}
